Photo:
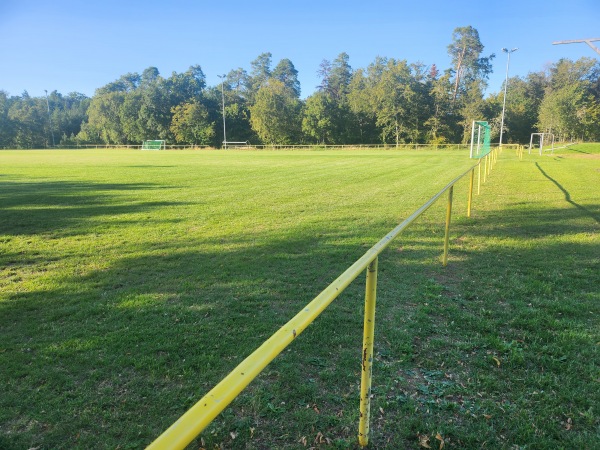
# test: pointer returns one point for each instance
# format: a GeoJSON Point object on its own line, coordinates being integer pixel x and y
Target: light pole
{"type": "Point", "coordinates": [222, 77]}
{"type": "Point", "coordinates": [508, 52]}
{"type": "Point", "coordinates": [49, 118]}
{"type": "Point", "coordinates": [587, 41]}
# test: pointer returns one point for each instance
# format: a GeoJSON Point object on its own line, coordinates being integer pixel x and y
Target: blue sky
{"type": "Point", "coordinates": [81, 45]}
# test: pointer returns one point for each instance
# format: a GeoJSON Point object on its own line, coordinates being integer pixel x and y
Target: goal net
{"type": "Point", "coordinates": [480, 139]}
{"type": "Point", "coordinates": [153, 145]}
{"type": "Point", "coordinates": [541, 140]}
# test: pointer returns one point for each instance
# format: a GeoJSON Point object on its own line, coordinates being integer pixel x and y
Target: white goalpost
{"type": "Point", "coordinates": [543, 137]}
{"type": "Point", "coordinates": [480, 145]}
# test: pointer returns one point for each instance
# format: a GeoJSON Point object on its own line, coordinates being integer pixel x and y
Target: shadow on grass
{"type": "Point", "coordinates": [568, 196]}
{"type": "Point", "coordinates": [153, 332]}
{"type": "Point", "coordinates": [123, 351]}
{"type": "Point", "coordinates": [67, 208]}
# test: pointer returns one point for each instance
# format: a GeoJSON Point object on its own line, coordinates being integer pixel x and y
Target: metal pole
{"type": "Point", "coordinates": [472, 137]}
{"type": "Point", "coordinates": [531, 143]}
{"type": "Point", "coordinates": [367, 354]}
{"type": "Point", "coordinates": [470, 200]}
{"type": "Point", "coordinates": [587, 41]}
{"type": "Point", "coordinates": [505, 50]}
{"type": "Point", "coordinates": [49, 118]}
{"type": "Point", "coordinates": [222, 77]}
{"type": "Point", "coordinates": [447, 234]}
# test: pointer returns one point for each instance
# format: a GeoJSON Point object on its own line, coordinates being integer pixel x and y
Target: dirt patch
{"type": "Point", "coordinates": [583, 156]}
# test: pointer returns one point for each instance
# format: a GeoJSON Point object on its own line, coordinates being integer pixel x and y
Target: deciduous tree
{"type": "Point", "coordinates": [275, 115]}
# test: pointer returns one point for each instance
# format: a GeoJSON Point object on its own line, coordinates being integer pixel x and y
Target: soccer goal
{"type": "Point", "coordinates": [480, 139]}
{"type": "Point", "coordinates": [154, 145]}
{"type": "Point", "coordinates": [540, 139]}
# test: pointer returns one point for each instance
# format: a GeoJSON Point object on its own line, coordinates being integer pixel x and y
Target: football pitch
{"type": "Point", "coordinates": [132, 282]}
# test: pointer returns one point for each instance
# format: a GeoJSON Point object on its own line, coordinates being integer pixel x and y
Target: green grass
{"type": "Point", "coordinates": [132, 282]}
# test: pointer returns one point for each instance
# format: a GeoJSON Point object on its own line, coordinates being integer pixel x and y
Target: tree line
{"type": "Point", "coordinates": [390, 101]}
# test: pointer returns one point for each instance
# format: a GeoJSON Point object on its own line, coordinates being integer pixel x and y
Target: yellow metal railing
{"type": "Point", "coordinates": [199, 416]}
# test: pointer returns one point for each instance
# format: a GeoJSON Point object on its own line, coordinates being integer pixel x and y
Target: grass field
{"type": "Point", "coordinates": [132, 282]}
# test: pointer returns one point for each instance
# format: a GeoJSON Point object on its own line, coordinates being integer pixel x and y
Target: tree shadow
{"type": "Point", "coordinates": [67, 208]}
{"type": "Point", "coordinates": [183, 312]}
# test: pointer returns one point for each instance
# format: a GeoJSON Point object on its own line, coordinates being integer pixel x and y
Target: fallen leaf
{"type": "Point", "coordinates": [319, 438]}
{"type": "Point", "coordinates": [487, 416]}
{"type": "Point", "coordinates": [233, 434]}
{"type": "Point", "coordinates": [569, 424]}
{"type": "Point", "coordinates": [441, 439]}
{"type": "Point", "coordinates": [316, 409]}
{"type": "Point", "coordinates": [497, 361]}
{"type": "Point", "coordinates": [252, 432]}
{"type": "Point", "coordinates": [381, 410]}
{"type": "Point", "coordinates": [424, 441]}
{"type": "Point", "coordinates": [303, 440]}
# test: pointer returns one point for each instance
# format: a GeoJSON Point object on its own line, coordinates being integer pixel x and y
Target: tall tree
{"type": "Point", "coordinates": [105, 119]}
{"type": "Point", "coordinates": [570, 105]}
{"type": "Point", "coordinates": [317, 120]}
{"type": "Point", "coordinates": [359, 102]}
{"type": "Point", "coordinates": [562, 110]}
{"type": "Point", "coordinates": [259, 74]}
{"type": "Point", "coordinates": [149, 75]}
{"type": "Point", "coordinates": [468, 64]}
{"type": "Point", "coordinates": [331, 103]}
{"type": "Point", "coordinates": [391, 96]}
{"type": "Point", "coordinates": [339, 77]}
{"type": "Point", "coordinates": [286, 73]}
{"type": "Point", "coordinates": [438, 124]}
{"type": "Point", "coordinates": [6, 124]}
{"type": "Point", "coordinates": [191, 124]}
{"type": "Point", "coordinates": [30, 122]}
{"type": "Point", "coordinates": [275, 115]}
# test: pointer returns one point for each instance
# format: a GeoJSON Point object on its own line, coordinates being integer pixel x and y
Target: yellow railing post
{"type": "Point", "coordinates": [470, 200]}
{"type": "Point", "coordinates": [447, 235]}
{"type": "Point", "coordinates": [485, 169]}
{"type": "Point", "coordinates": [367, 354]}
{"type": "Point", "coordinates": [479, 177]}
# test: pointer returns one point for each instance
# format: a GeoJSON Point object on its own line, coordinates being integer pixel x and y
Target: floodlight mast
{"type": "Point", "coordinates": [587, 41]}
{"type": "Point", "coordinates": [222, 77]}
{"type": "Point", "coordinates": [49, 118]}
{"type": "Point", "coordinates": [508, 52]}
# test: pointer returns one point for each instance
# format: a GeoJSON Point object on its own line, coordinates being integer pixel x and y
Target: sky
{"type": "Point", "coordinates": [81, 45]}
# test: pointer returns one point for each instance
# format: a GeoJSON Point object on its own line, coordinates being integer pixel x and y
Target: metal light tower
{"type": "Point", "coordinates": [508, 52]}
{"type": "Point", "coordinates": [587, 41]}
{"type": "Point", "coordinates": [222, 77]}
{"type": "Point", "coordinates": [49, 118]}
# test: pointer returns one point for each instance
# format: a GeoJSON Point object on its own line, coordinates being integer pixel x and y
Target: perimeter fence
{"type": "Point", "coordinates": [268, 147]}
{"type": "Point", "coordinates": [199, 416]}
